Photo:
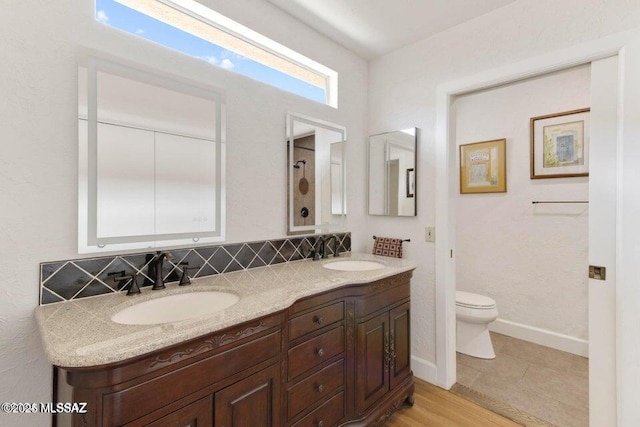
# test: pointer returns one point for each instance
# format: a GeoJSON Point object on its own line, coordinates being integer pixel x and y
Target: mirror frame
{"type": "Point", "coordinates": [340, 225]}
{"type": "Point", "coordinates": [415, 175]}
{"type": "Point", "coordinates": [88, 241]}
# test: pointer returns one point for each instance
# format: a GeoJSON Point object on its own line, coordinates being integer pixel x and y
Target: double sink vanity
{"type": "Point", "coordinates": [305, 343]}
{"type": "Point", "coordinates": [295, 343]}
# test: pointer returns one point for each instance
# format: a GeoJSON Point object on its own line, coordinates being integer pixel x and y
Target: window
{"type": "Point", "coordinates": [196, 30]}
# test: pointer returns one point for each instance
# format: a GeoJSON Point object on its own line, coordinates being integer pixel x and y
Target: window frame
{"type": "Point", "coordinates": [198, 13]}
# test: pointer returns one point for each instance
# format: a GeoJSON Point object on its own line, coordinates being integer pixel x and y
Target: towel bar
{"type": "Point", "coordinates": [404, 240]}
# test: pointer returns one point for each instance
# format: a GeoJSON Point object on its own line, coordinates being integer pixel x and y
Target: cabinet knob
{"type": "Point", "coordinates": [320, 423]}
{"type": "Point", "coordinates": [320, 388]}
{"type": "Point", "coordinates": [319, 320]}
{"type": "Point", "coordinates": [320, 352]}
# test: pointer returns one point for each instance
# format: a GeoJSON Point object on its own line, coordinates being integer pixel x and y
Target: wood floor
{"type": "Point", "coordinates": [435, 407]}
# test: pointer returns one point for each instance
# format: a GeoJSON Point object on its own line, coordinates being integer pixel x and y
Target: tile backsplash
{"type": "Point", "coordinates": [80, 278]}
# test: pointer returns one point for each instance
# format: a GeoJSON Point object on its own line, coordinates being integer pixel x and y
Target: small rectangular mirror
{"type": "Point", "coordinates": [392, 173]}
{"type": "Point", "coordinates": [316, 175]}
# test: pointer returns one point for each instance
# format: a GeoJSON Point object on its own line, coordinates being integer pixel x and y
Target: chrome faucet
{"type": "Point", "coordinates": [154, 269]}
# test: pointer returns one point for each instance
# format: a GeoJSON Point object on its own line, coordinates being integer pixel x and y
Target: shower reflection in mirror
{"type": "Point", "coordinates": [316, 195]}
{"type": "Point", "coordinates": [392, 173]}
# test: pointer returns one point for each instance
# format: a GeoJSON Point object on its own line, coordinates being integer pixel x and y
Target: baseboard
{"type": "Point", "coordinates": [424, 370]}
{"type": "Point", "coordinates": [541, 336]}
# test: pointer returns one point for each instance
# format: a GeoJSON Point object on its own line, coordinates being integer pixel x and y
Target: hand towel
{"type": "Point", "coordinates": [386, 246]}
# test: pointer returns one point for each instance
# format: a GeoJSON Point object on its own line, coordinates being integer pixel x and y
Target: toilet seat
{"type": "Point", "coordinates": [474, 301]}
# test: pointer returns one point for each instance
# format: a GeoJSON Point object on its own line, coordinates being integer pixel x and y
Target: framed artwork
{"type": "Point", "coordinates": [560, 145]}
{"type": "Point", "coordinates": [483, 167]}
{"type": "Point", "coordinates": [411, 182]}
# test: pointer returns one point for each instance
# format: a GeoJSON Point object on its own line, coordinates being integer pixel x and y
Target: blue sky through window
{"type": "Point", "coordinates": [119, 16]}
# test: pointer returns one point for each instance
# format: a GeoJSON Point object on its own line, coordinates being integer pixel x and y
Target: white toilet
{"type": "Point", "coordinates": [473, 314]}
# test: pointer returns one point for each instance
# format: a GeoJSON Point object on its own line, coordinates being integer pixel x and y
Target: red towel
{"type": "Point", "coordinates": [386, 246]}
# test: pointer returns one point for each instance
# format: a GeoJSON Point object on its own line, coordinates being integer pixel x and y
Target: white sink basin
{"type": "Point", "coordinates": [353, 265]}
{"type": "Point", "coordinates": [174, 308]}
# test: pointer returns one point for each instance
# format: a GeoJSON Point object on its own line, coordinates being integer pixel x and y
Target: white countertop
{"type": "Point", "coordinates": [80, 333]}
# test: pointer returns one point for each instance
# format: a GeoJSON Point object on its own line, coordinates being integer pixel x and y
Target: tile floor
{"type": "Point", "coordinates": [549, 384]}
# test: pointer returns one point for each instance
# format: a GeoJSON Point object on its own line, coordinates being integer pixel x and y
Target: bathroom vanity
{"type": "Point", "coordinates": [304, 346]}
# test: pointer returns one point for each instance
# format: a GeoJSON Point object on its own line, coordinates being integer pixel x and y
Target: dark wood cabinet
{"type": "Point", "coordinates": [196, 414]}
{"type": "Point", "coordinates": [399, 344]}
{"type": "Point", "coordinates": [383, 360]}
{"type": "Point", "coordinates": [315, 388]}
{"type": "Point", "coordinates": [253, 401]}
{"type": "Point", "coordinates": [382, 355]}
{"type": "Point", "coordinates": [338, 357]}
{"type": "Point", "coordinates": [327, 415]}
{"type": "Point", "coordinates": [372, 361]}
{"type": "Point", "coordinates": [316, 369]}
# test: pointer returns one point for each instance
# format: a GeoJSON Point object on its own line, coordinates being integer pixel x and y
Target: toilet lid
{"type": "Point", "coordinates": [468, 299]}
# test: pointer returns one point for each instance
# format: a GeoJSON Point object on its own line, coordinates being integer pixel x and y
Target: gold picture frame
{"type": "Point", "coordinates": [483, 167]}
{"type": "Point", "coordinates": [560, 145]}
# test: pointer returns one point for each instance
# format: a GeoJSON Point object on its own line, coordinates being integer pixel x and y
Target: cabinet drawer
{"type": "Point", "coordinates": [131, 403]}
{"type": "Point", "coordinates": [326, 415]}
{"type": "Point", "coordinates": [381, 300]}
{"type": "Point", "coordinates": [199, 413]}
{"type": "Point", "coordinates": [298, 326]}
{"type": "Point", "coordinates": [315, 388]}
{"type": "Point", "coordinates": [311, 353]}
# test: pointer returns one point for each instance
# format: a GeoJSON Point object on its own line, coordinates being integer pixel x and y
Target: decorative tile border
{"type": "Point", "coordinates": [81, 278]}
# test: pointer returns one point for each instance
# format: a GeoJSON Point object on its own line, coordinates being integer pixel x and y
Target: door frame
{"type": "Point", "coordinates": [446, 175]}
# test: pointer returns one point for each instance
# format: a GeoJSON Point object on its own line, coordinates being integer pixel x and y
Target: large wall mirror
{"type": "Point", "coordinates": [316, 191]}
{"type": "Point", "coordinates": [151, 160]}
{"type": "Point", "coordinates": [392, 173]}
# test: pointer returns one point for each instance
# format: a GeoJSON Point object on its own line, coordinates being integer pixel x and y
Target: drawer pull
{"type": "Point", "coordinates": [319, 320]}
{"type": "Point", "coordinates": [320, 423]}
{"type": "Point", "coordinates": [320, 352]}
{"type": "Point", "coordinates": [320, 388]}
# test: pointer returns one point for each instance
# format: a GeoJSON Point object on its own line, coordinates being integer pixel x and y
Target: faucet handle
{"type": "Point", "coordinates": [116, 273]}
{"type": "Point", "coordinates": [122, 278]}
{"type": "Point", "coordinates": [336, 246]}
{"type": "Point", "coordinates": [133, 287]}
{"type": "Point", "coordinates": [318, 249]}
{"type": "Point", "coordinates": [184, 279]}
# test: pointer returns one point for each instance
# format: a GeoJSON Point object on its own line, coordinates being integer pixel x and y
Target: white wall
{"type": "Point", "coordinates": [40, 43]}
{"type": "Point", "coordinates": [531, 259]}
{"type": "Point", "coordinates": [402, 92]}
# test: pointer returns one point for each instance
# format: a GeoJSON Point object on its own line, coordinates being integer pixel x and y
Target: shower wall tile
{"type": "Point", "coordinates": [73, 279]}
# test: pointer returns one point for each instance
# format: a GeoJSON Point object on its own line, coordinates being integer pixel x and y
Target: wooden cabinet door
{"type": "Point", "coordinates": [399, 344]}
{"type": "Point", "coordinates": [196, 414]}
{"type": "Point", "coordinates": [254, 401]}
{"type": "Point", "coordinates": [372, 367]}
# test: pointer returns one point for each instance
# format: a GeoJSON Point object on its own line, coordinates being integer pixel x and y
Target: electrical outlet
{"type": "Point", "coordinates": [429, 234]}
